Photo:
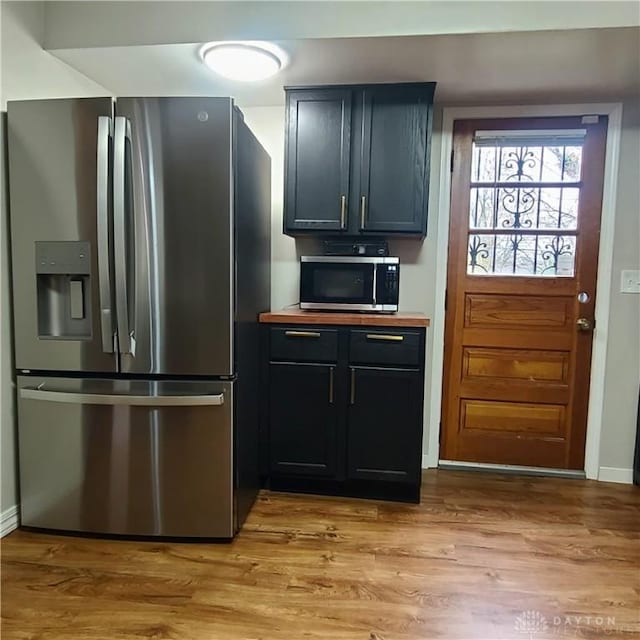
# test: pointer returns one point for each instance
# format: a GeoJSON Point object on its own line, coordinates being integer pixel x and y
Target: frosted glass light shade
{"type": "Point", "coordinates": [246, 62]}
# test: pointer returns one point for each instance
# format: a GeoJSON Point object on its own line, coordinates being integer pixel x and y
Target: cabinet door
{"type": "Point", "coordinates": [385, 425]}
{"type": "Point", "coordinates": [394, 159]}
{"type": "Point", "coordinates": [317, 160]}
{"type": "Point", "coordinates": [303, 419]}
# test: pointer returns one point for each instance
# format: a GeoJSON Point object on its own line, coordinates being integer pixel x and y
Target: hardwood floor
{"type": "Point", "coordinates": [468, 562]}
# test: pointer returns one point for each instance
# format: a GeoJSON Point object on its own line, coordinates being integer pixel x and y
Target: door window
{"type": "Point", "coordinates": [524, 202]}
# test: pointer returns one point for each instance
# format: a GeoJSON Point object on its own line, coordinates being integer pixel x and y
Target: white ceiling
{"type": "Point", "coordinates": [585, 64]}
{"type": "Point", "coordinates": [71, 25]}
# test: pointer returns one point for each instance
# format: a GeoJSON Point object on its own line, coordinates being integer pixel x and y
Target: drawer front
{"type": "Point", "coordinates": [304, 344]}
{"type": "Point", "coordinates": [386, 347]}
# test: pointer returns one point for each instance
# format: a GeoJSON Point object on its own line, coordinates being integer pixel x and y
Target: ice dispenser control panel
{"type": "Point", "coordinates": [63, 257]}
{"type": "Point", "coordinates": [63, 272]}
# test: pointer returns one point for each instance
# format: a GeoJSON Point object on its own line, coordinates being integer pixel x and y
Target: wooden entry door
{"type": "Point", "coordinates": [521, 285]}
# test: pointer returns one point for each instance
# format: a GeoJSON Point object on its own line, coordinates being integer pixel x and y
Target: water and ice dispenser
{"type": "Point", "coordinates": [63, 272]}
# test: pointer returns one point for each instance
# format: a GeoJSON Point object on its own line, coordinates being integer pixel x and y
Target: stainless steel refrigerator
{"type": "Point", "coordinates": [140, 239]}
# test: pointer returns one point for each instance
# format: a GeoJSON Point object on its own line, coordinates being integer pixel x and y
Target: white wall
{"type": "Point", "coordinates": [623, 356]}
{"type": "Point", "coordinates": [27, 72]}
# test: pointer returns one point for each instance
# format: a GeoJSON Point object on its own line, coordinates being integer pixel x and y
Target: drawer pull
{"type": "Point", "coordinates": [352, 398]}
{"type": "Point", "coordinates": [331, 385]}
{"type": "Point", "coordinates": [302, 334]}
{"type": "Point", "coordinates": [384, 337]}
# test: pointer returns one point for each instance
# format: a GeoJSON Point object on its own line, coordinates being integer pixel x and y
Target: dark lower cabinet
{"type": "Point", "coordinates": [303, 424]}
{"type": "Point", "coordinates": [352, 426]}
{"type": "Point", "coordinates": [384, 425]}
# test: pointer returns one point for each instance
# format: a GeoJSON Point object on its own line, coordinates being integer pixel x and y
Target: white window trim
{"type": "Point", "coordinates": [605, 261]}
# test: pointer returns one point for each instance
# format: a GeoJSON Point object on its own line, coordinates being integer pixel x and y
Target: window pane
{"type": "Point", "coordinates": [561, 164]}
{"type": "Point", "coordinates": [482, 208]}
{"type": "Point", "coordinates": [558, 208]}
{"type": "Point", "coordinates": [556, 255]}
{"type": "Point", "coordinates": [526, 163]}
{"type": "Point", "coordinates": [521, 255]}
{"type": "Point", "coordinates": [483, 164]}
{"type": "Point", "coordinates": [480, 254]}
{"type": "Point", "coordinates": [523, 207]}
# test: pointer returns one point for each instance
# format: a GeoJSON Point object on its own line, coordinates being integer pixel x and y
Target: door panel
{"type": "Point", "coordinates": [53, 166]}
{"type": "Point", "coordinates": [384, 424]}
{"type": "Point", "coordinates": [318, 159]}
{"type": "Point", "coordinates": [525, 216]}
{"type": "Point", "coordinates": [178, 244]}
{"type": "Point", "coordinates": [303, 419]}
{"type": "Point", "coordinates": [501, 417]}
{"type": "Point", "coordinates": [126, 457]}
{"type": "Point", "coordinates": [393, 173]}
{"type": "Point", "coordinates": [518, 311]}
{"type": "Point", "coordinates": [515, 365]}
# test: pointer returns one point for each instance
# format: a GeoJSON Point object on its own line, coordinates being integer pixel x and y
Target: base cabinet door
{"type": "Point", "coordinates": [384, 425]}
{"type": "Point", "coordinates": [303, 420]}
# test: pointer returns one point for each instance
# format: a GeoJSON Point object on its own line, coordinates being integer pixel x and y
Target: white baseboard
{"type": "Point", "coordinates": [9, 520]}
{"type": "Point", "coordinates": [606, 474]}
{"type": "Point", "coordinates": [615, 474]}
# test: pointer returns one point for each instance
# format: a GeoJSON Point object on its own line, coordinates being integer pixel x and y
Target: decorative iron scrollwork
{"type": "Point", "coordinates": [552, 251]}
{"type": "Point", "coordinates": [518, 203]}
{"type": "Point", "coordinates": [477, 249]}
{"type": "Point", "coordinates": [520, 159]}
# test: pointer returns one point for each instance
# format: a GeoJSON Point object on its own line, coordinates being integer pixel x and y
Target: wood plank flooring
{"type": "Point", "coordinates": [483, 556]}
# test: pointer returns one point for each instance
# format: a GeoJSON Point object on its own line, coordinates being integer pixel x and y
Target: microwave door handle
{"type": "Point", "coordinates": [375, 283]}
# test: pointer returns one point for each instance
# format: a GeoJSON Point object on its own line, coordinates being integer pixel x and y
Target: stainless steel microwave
{"type": "Point", "coordinates": [343, 283]}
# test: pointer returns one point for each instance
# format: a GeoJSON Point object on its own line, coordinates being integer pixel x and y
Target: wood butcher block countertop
{"type": "Point", "coordinates": [298, 316]}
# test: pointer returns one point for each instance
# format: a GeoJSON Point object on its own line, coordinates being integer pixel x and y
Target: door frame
{"type": "Point", "coordinates": [605, 262]}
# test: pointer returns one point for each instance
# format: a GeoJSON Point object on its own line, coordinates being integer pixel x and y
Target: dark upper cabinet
{"type": "Point", "coordinates": [302, 420]}
{"type": "Point", "coordinates": [357, 159]}
{"type": "Point", "coordinates": [318, 158]}
{"type": "Point", "coordinates": [384, 425]}
{"type": "Point", "coordinates": [394, 161]}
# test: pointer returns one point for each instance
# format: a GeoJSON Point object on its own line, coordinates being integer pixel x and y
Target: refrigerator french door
{"type": "Point", "coordinates": [122, 235]}
{"type": "Point", "coordinates": [125, 289]}
{"type": "Point", "coordinates": [62, 296]}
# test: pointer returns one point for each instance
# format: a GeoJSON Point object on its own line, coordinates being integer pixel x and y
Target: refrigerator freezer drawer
{"type": "Point", "coordinates": [127, 457]}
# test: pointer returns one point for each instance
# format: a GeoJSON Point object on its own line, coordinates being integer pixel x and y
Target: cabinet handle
{"type": "Point", "coordinates": [302, 334]}
{"type": "Point", "coordinates": [385, 337]}
{"type": "Point", "coordinates": [343, 210]}
{"type": "Point", "coordinates": [331, 385]}
{"type": "Point", "coordinates": [352, 399]}
{"type": "Point", "coordinates": [363, 210]}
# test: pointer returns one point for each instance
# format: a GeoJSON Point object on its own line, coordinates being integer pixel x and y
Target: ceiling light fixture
{"type": "Point", "coordinates": [244, 61]}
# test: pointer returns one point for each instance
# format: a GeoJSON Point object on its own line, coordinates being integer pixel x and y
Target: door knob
{"type": "Point", "coordinates": [583, 324]}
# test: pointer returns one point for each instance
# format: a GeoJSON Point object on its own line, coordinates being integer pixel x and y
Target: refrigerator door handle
{"type": "Point", "coordinates": [39, 393]}
{"type": "Point", "coordinates": [122, 132]}
{"type": "Point", "coordinates": [105, 133]}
